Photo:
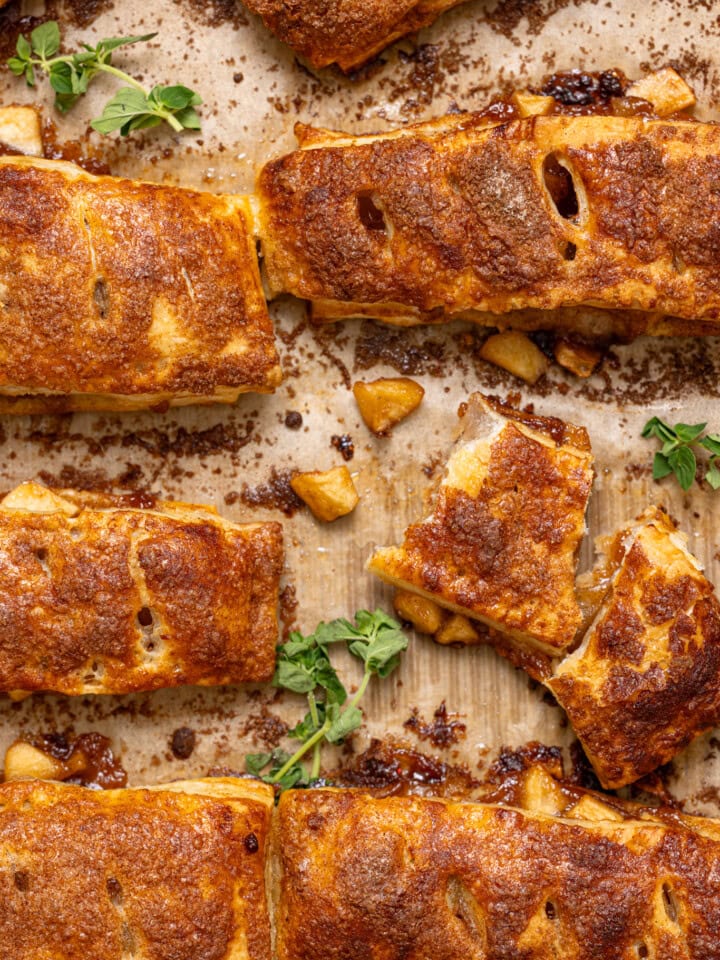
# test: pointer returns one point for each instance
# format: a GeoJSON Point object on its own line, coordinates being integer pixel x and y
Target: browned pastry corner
{"type": "Point", "coordinates": [345, 32]}
{"type": "Point", "coordinates": [413, 877]}
{"type": "Point", "coordinates": [119, 294]}
{"type": "Point", "coordinates": [501, 542]}
{"type": "Point", "coordinates": [169, 874]}
{"type": "Point", "coordinates": [503, 223]}
{"type": "Point", "coordinates": [646, 679]}
{"type": "Point", "coordinates": [100, 596]}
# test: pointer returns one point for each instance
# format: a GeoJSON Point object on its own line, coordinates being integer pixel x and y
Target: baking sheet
{"type": "Point", "coordinates": [254, 91]}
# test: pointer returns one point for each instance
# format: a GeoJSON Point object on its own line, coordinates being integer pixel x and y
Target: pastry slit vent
{"type": "Point", "coordinates": [563, 188]}
{"type": "Point", "coordinates": [41, 555]}
{"type": "Point", "coordinates": [371, 212]}
{"type": "Point", "coordinates": [101, 296]}
{"type": "Point", "coordinates": [551, 910]}
{"type": "Point", "coordinates": [148, 625]}
{"type": "Point", "coordinates": [670, 903]}
{"type": "Point", "coordinates": [467, 910]}
{"type": "Point", "coordinates": [642, 951]}
{"type": "Point", "coordinates": [115, 894]}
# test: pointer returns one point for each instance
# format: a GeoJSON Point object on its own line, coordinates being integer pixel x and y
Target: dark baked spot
{"type": "Point", "coordinates": [182, 743]}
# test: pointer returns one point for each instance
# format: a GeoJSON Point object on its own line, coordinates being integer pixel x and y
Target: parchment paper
{"type": "Point", "coordinates": [254, 91]}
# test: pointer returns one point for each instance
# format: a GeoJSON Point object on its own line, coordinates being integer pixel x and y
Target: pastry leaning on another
{"type": "Point", "coordinates": [120, 295]}
{"type": "Point", "coordinates": [636, 666]}
{"type": "Point", "coordinates": [102, 594]}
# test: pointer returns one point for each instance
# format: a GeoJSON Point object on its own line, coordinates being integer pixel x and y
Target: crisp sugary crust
{"type": "Point", "coordinates": [413, 878]}
{"type": "Point", "coordinates": [646, 679]}
{"type": "Point", "coordinates": [148, 874]}
{"type": "Point", "coordinates": [470, 228]}
{"type": "Point", "coordinates": [501, 542]}
{"type": "Point", "coordinates": [117, 293]}
{"type": "Point", "coordinates": [346, 32]}
{"type": "Point", "coordinates": [116, 600]}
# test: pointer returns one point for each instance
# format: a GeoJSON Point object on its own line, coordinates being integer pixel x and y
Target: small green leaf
{"type": "Point", "coordinates": [255, 763]}
{"type": "Point", "coordinates": [23, 48]}
{"type": "Point", "coordinates": [45, 39]}
{"type": "Point", "coordinates": [713, 475]}
{"type": "Point", "coordinates": [17, 66]}
{"type": "Point", "coordinates": [294, 676]}
{"type": "Point", "coordinates": [712, 443]}
{"type": "Point", "coordinates": [688, 433]}
{"type": "Point", "coordinates": [175, 98]}
{"type": "Point", "coordinates": [684, 466]}
{"type": "Point", "coordinates": [661, 467]}
{"type": "Point", "coordinates": [124, 107]}
{"type": "Point", "coordinates": [349, 720]}
{"type": "Point", "coordinates": [112, 43]}
{"type": "Point", "coordinates": [189, 118]}
{"type": "Point", "coordinates": [656, 427]}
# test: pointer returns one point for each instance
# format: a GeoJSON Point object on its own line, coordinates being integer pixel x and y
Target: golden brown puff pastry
{"type": "Point", "coordinates": [97, 596]}
{"type": "Point", "coordinates": [646, 679]}
{"type": "Point", "coordinates": [345, 32]}
{"type": "Point", "coordinates": [501, 542]}
{"type": "Point", "coordinates": [116, 294]}
{"type": "Point", "coordinates": [169, 874]}
{"type": "Point", "coordinates": [457, 218]}
{"type": "Point", "coordinates": [414, 878]}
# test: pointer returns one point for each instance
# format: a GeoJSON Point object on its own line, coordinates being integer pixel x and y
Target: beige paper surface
{"type": "Point", "coordinates": [254, 91]}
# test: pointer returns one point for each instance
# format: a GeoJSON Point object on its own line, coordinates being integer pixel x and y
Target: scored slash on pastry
{"type": "Point", "coordinates": [637, 665]}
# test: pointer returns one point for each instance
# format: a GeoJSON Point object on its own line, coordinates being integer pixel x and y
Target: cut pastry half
{"type": "Point", "coordinates": [501, 543]}
{"type": "Point", "coordinates": [646, 679]}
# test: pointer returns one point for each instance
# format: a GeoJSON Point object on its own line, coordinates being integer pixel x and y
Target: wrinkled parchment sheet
{"type": "Point", "coordinates": [254, 91]}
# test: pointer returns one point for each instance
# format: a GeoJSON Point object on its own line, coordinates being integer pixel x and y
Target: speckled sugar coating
{"type": "Point", "coordinates": [254, 92]}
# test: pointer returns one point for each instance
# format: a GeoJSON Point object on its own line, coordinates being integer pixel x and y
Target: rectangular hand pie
{"type": "Point", "coordinates": [120, 295]}
{"type": "Point", "coordinates": [646, 679]}
{"type": "Point", "coordinates": [501, 543]}
{"type": "Point", "coordinates": [411, 878]}
{"type": "Point", "coordinates": [346, 32]}
{"type": "Point", "coordinates": [175, 873]}
{"type": "Point", "coordinates": [504, 223]}
{"type": "Point", "coordinates": [98, 595]}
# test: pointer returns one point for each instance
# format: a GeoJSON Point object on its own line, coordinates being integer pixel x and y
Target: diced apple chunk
{"type": "Point", "coordinates": [424, 614]}
{"type": "Point", "coordinates": [531, 104]}
{"type": "Point", "coordinates": [516, 353]}
{"type": "Point", "coordinates": [329, 494]}
{"type": "Point", "coordinates": [23, 761]}
{"type": "Point", "coordinates": [665, 90]}
{"type": "Point", "coordinates": [385, 402]}
{"type": "Point", "coordinates": [576, 357]}
{"type": "Point", "coordinates": [20, 129]}
{"type": "Point", "coordinates": [457, 629]}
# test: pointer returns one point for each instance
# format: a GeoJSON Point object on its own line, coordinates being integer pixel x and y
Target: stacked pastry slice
{"type": "Point", "coordinates": [637, 665]}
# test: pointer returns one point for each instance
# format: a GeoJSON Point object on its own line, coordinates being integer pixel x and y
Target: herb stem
{"type": "Point", "coordinates": [309, 744]}
{"type": "Point", "coordinates": [126, 78]}
{"type": "Point", "coordinates": [362, 688]}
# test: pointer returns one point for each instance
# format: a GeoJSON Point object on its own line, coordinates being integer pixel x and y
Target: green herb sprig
{"type": "Point", "coordinates": [132, 108]}
{"type": "Point", "coordinates": [677, 455]}
{"type": "Point", "coordinates": [304, 666]}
